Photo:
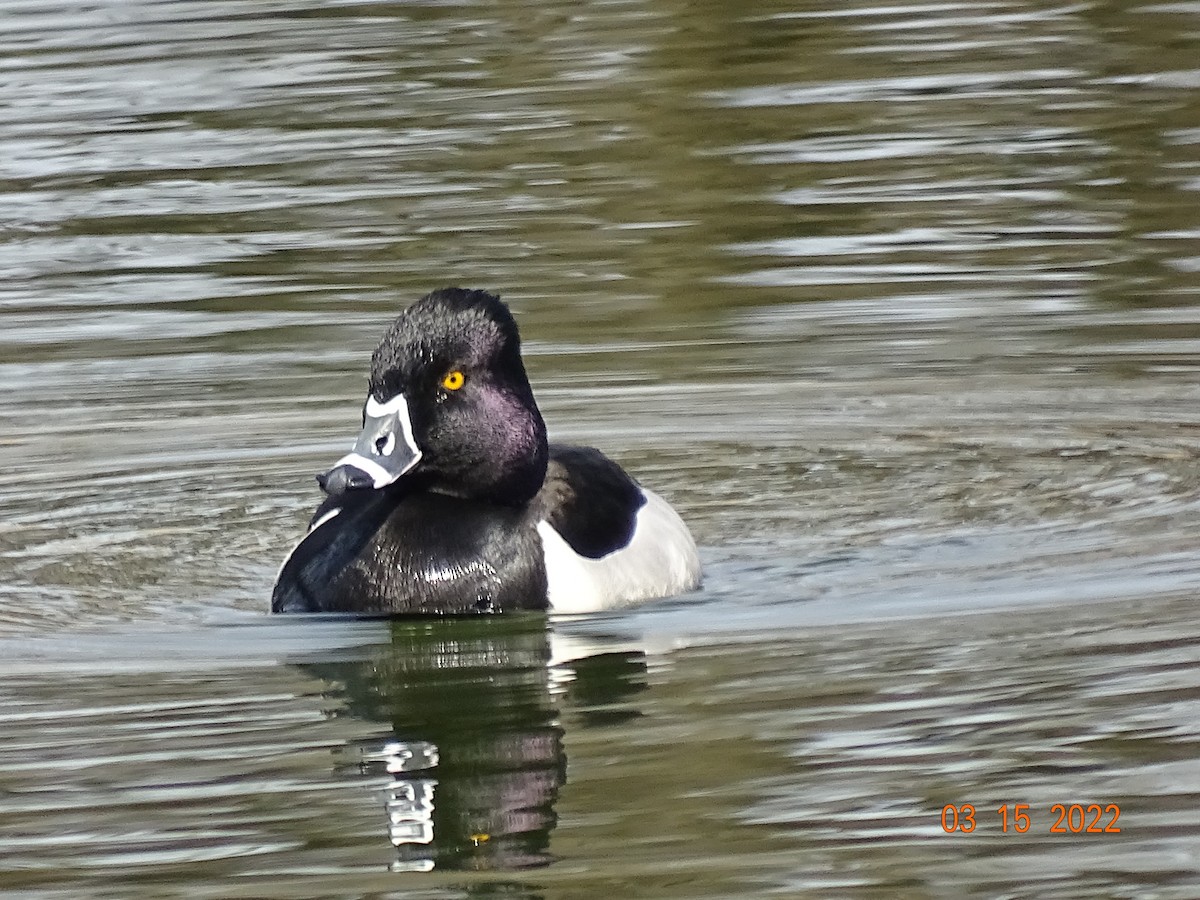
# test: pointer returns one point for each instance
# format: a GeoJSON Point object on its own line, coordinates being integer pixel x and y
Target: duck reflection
{"type": "Point", "coordinates": [474, 745]}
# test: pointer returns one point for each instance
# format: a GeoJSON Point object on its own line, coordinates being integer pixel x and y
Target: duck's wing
{"type": "Point", "coordinates": [590, 501]}
{"type": "Point", "coordinates": [340, 529]}
{"type": "Point", "coordinates": [607, 540]}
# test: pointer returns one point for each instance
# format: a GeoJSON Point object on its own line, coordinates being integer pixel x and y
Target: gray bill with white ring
{"type": "Point", "coordinates": [384, 451]}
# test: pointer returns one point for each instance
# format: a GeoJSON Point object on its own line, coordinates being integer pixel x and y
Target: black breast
{"type": "Point", "coordinates": [421, 553]}
{"type": "Point", "coordinates": [590, 500]}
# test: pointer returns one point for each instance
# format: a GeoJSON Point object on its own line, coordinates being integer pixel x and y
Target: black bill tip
{"type": "Point", "coordinates": [344, 478]}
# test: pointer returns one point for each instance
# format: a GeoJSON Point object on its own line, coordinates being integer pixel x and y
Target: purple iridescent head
{"type": "Point", "coordinates": [449, 406]}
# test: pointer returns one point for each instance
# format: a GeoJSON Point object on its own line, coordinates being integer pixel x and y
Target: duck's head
{"type": "Point", "coordinates": [449, 407]}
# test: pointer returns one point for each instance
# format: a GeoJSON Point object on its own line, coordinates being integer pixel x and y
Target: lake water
{"type": "Point", "coordinates": [899, 304]}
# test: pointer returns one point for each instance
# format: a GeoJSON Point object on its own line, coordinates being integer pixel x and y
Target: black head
{"type": "Point", "coordinates": [449, 405]}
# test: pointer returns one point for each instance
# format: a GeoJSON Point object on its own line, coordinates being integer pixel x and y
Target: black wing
{"type": "Point", "coordinates": [590, 500]}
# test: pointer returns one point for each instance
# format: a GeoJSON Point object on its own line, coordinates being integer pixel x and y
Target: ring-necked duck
{"type": "Point", "coordinates": [453, 502]}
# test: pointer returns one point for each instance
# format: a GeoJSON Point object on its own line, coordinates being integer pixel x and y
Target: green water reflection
{"type": "Point", "coordinates": [473, 738]}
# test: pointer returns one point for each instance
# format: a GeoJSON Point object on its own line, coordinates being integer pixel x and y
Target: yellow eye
{"type": "Point", "coordinates": [454, 380]}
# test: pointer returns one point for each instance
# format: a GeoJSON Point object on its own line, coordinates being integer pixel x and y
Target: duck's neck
{"type": "Point", "coordinates": [510, 467]}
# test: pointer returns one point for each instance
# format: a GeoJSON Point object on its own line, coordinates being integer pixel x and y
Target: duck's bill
{"type": "Point", "coordinates": [384, 451]}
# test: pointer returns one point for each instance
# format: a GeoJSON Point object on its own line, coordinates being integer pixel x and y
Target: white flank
{"type": "Point", "coordinates": [661, 560]}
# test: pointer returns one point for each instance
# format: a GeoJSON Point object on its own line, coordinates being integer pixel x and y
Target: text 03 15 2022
{"type": "Point", "coordinates": [1063, 818]}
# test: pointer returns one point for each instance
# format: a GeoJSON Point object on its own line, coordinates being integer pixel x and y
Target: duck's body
{"type": "Point", "coordinates": [453, 502]}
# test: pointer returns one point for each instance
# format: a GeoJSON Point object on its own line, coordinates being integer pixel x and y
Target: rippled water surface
{"type": "Point", "coordinates": [899, 304]}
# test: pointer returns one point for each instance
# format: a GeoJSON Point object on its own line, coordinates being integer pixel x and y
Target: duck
{"type": "Point", "coordinates": [453, 501]}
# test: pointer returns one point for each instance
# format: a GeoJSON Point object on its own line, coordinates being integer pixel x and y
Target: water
{"type": "Point", "coordinates": [898, 304]}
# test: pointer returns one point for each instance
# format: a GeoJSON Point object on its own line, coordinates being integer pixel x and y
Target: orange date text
{"type": "Point", "coordinates": [1063, 818]}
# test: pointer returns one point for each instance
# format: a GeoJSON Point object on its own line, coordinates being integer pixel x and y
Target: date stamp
{"type": "Point", "coordinates": [1069, 818]}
